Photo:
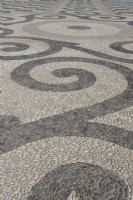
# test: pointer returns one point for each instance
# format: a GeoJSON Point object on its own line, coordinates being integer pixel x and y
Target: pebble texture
{"type": "Point", "coordinates": [79, 27]}
{"type": "Point", "coordinates": [66, 124]}
{"type": "Point", "coordinates": [25, 166]}
{"type": "Point", "coordinates": [88, 181]}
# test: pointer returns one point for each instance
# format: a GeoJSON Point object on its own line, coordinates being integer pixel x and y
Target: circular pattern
{"type": "Point", "coordinates": [108, 18]}
{"type": "Point", "coordinates": [52, 30]}
{"type": "Point", "coordinates": [16, 46]}
{"type": "Point", "coordinates": [17, 20]}
{"type": "Point", "coordinates": [79, 27]}
{"type": "Point", "coordinates": [61, 165]}
{"type": "Point", "coordinates": [23, 75]}
{"type": "Point", "coordinates": [96, 29]}
{"type": "Point", "coordinates": [49, 47]}
{"type": "Point", "coordinates": [118, 46]}
{"type": "Point", "coordinates": [88, 181]}
{"type": "Point", "coordinates": [39, 16]}
{"type": "Point", "coordinates": [85, 79]}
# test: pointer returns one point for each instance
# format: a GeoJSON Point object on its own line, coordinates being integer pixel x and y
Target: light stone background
{"type": "Point", "coordinates": [43, 25]}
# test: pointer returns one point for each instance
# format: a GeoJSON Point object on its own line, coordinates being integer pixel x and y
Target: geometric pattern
{"type": "Point", "coordinates": [66, 129]}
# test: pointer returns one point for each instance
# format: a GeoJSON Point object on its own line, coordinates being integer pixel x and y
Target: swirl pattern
{"type": "Point", "coordinates": [66, 124]}
{"type": "Point", "coordinates": [118, 46]}
{"type": "Point", "coordinates": [48, 48]}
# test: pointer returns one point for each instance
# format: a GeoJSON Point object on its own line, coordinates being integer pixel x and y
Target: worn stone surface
{"type": "Point", "coordinates": [88, 181]}
{"type": "Point", "coordinates": [66, 124]}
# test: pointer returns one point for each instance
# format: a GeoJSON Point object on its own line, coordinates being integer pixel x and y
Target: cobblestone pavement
{"type": "Point", "coordinates": [67, 100]}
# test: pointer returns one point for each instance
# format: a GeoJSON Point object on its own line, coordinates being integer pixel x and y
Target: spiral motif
{"type": "Point", "coordinates": [67, 116]}
{"type": "Point", "coordinates": [118, 46]}
{"type": "Point", "coordinates": [49, 48]}
{"type": "Point", "coordinates": [85, 79]}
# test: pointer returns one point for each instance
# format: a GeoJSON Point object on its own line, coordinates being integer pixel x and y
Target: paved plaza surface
{"type": "Point", "coordinates": [67, 100]}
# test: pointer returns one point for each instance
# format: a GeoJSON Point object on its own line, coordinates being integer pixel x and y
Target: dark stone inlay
{"type": "Point", "coordinates": [87, 180]}
{"type": "Point", "coordinates": [56, 46]}
{"type": "Point", "coordinates": [85, 78]}
{"type": "Point", "coordinates": [28, 18]}
{"type": "Point", "coordinates": [6, 19]}
{"type": "Point", "coordinates": [74, 122]}
{"type": "Point", "coordinates": [21, 74]}
{"type": "Point", "coordinates": [104, 18]}
{"type": "Point", "coordinates": [39, 16]}
{"type": "Point", "coordinates": [130, 23]}
{"type": "Point", "coordinates": [118, 46]}
{"type": "Point", "coordinates": [79, 27]}
{"type": "Point", "coordinates": [53, 48]}
{"type": "Point", "coordinates": [15, 46]}
{"type": "Point", "coordinates": [5, 32]}
{"type": "Point", "coordinates": [102, 55]}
